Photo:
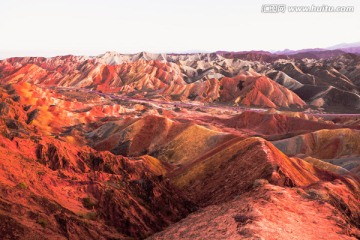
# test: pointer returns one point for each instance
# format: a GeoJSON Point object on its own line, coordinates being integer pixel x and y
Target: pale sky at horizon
{"type": "Point", "coordinates": [92, 27]}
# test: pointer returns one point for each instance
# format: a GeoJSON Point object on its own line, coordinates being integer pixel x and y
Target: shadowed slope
{"type": "Point", "coordinates": [258, 91]}
{"type": "Point", "coordinates": [339, 147]}
{"type": "Point", "coordinates": [323, 143]}
{"type": "Point", "coordinates": [267, 212]}
{"type": "Point", "coordinates": [231, 170]}
{"type": "Point", "coordinates": [277, 123]}
{"type": "Point", "coordinates": [67, 191]}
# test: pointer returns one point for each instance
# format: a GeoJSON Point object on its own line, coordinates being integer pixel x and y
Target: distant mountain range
{"type": "Point", "coordinates": [323, 79]}
{"type": "Point", "coordinates": [331, 51]}
{"type": "Point", "coordinates": [336, 49]}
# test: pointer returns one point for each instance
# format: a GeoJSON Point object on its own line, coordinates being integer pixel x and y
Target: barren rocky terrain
{"type": "Point", "coordinates": [224, 145]}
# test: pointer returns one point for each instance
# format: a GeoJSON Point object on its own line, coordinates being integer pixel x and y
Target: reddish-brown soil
{"type": "Point", "coordinates": [177, 147]}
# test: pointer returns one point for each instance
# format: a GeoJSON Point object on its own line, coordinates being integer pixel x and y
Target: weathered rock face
{"type": "Point", "coordinates": [267, 211]}
{"type": "Point", "coordinates": [96, 147]}
{"type": "Point", "coordinates": [74, 192]}
{"type": "Point", "coordinates": [112, 192]}
{"type": "Point", "coordinates": [273, 124]}
{"type": "Point", "coordinates": [258, 91]}
{"type": "Point", "coordinates": [231, 171]}
{"type": "Point", "coordinates": [201, 77]}
{"type": "Point", "coordinates": [338, 146]}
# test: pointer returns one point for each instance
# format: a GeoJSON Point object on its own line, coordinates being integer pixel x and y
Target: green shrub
{"type": "Point", "coordinates": [42, 221]}
{"type": "Point", "coordinates": [88, 203]}
{"type": "Point", "coordinates": [89, 216]}
{"type": "Point", "coordinates": [22, 185]}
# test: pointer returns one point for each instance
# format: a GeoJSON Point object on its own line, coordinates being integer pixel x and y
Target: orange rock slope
{"type": "Point", "coordinates": [152, 79]}
{"type": "Point", "coordinates": [169, 147]}
{"type": "Point", "coordinates": [258, 91]}
{"type": "Point", "coordinates": [265, 212]}
{"type": "Point", "coordinates": [54, 189]}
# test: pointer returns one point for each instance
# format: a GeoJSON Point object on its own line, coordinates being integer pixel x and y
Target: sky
{"type": "Point", "coordinates": [92, 27]}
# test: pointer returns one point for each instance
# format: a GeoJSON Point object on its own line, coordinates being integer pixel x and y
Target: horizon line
{"type": "Point", "coordinates": [52, 54]}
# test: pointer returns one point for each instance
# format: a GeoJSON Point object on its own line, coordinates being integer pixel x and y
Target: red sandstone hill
{"type": "Point", "coordinates": [231, 170]}
{"type": "Point", "coordinates": [151, 79]}
{"type": "Point", "coordinates": [66, 191]}
{"type": "Point", "coordinates": [80, 163]}
{"type": "Point", "coordinates": [330, 83]}
{"type": "Point", "coordinates": [340, 147]}
{"type": "Point", "coordinates": [276, 123]}
{"type": "Point", "coordinates": [209, 174]}
{"type": "Point", "coordinates": [266, 212]}
{"type": "Point", "coordinates": [258, 91]}
{"type": "Point", "coordinates": [125, 77]}
{"type": "Point", "coordinates": [270, 212]}
{"type": "Point", "coordinates": [72, 191]}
